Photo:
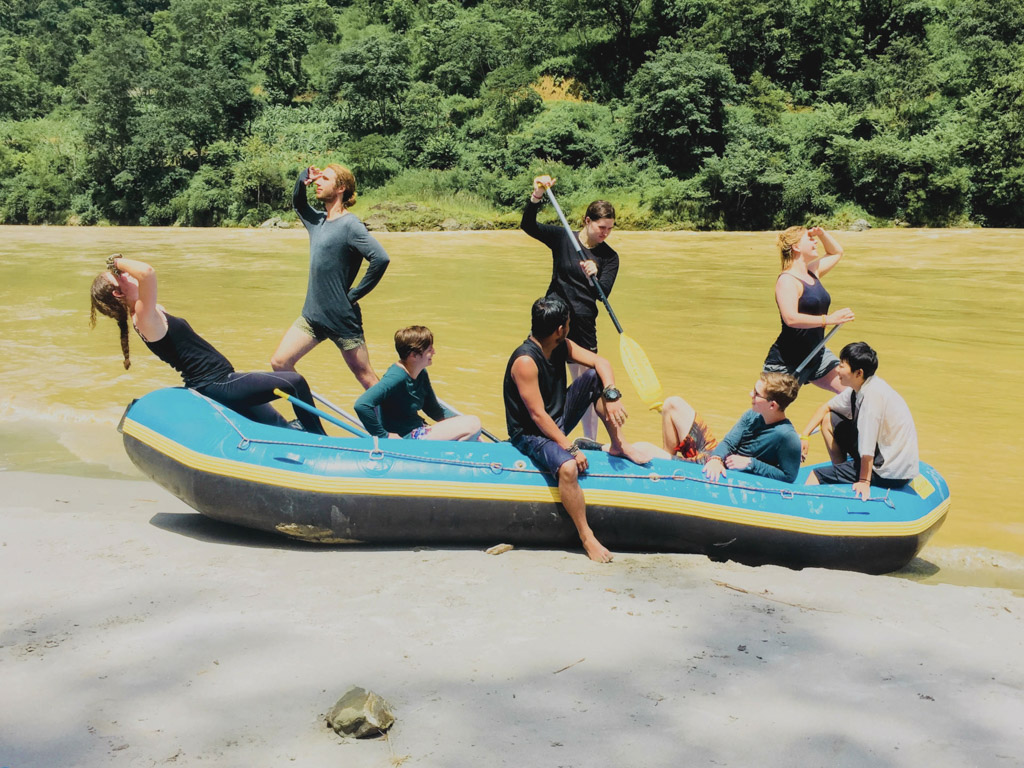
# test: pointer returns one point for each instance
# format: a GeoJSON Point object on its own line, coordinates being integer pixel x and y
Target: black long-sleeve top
{"type": "Point", "coordinates": [568, 280]}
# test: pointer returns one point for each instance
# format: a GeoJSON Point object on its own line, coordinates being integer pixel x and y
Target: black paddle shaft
{"type": "Point", "coordinates": [801, 375]}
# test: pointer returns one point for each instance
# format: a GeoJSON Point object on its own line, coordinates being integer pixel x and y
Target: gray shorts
{"type": "Point", "coordinates": [826, 363]}
{"type": "Point", "coordinates": [321, 333]}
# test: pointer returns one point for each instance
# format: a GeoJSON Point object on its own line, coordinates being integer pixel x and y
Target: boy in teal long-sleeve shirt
{"type": "Point", "coordinates": [390, 408]}
{"type": "Point", "coordinates": [763, 442]}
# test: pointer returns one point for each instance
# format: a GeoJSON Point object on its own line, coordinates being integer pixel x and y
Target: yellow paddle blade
{"type": "Point", "coordinates": [640, 372]}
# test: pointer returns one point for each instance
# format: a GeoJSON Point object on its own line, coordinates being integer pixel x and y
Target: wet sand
{"type": "Point", "coordinates": [138, 633]}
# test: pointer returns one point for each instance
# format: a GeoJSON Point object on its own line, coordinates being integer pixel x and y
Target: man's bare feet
{"type": "Point", "coordinates": [631, 452]}
{"type": "Point", "coordinates": [596, 551]}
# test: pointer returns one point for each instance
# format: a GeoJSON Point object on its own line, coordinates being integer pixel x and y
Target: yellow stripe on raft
{"type": "Point", "coordinates": [497, 492]}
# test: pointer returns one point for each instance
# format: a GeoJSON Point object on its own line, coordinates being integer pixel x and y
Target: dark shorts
{"type": "Point", "coordinates": [321, 332]}
{"type": "Point", "coordinates": [583, 331]}
{"type": "Point", "coordinates": [545, 452]}
{"type": "Point", "coordinates": [845, 434]}
{"type": "Point", "coordinates": [849, 473]}
{"type": "Point", "coordinates": [820, 365]}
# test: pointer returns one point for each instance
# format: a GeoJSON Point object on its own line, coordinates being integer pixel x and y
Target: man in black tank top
{"type": "Point", "coordinates": [540, 410]}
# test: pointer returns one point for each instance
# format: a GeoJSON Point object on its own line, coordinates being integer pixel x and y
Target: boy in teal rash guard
{"type": "Point", "coordinates": [390, 408]}
{"type": "Point", "coordinates": [763, 442]}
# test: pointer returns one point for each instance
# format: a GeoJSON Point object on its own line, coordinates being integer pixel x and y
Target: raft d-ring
{"type": "Point", "coordinates": [889, 502]}
{"type": "Point", "coordinates": [496, 467]}
{"type": "Point", "coordinates": [654, 477]}
{"type": "Point", "coordinates": [676, 476]}
{"type": "Point", "coordinates": [786, 494]}
{"type": "Point", "coordinates": [376, 454]}
{"type": "Point", "coordinates": [520, 464]}
{"type": "Point", "coordinates": [243, 445]}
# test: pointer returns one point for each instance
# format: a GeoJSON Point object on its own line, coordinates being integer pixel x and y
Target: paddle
{"type": "Point", "coordinates": [810, 357]}
{"type": "Point", "coordinates": [483, 431]}
{"type": "Point", "coordinates": [634, 359]}
{"type": "Point", "coordinates": [322, 414]}
{"type": "Point", "coordinates": [341, 412]}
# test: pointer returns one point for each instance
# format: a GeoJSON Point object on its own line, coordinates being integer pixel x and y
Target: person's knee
{"type": "Point", "coordinates": [590, 378]}
{"type": "Point", "coordinates": [568, 472]}
{"type": "Point", "coordinates": [672, 404]}
{"type": "Point", "coordinates": [280, 363]}
{"type": "Point", "coordinates": [358, 358]}
{"type": "Point", "coordinates": [473, 425]}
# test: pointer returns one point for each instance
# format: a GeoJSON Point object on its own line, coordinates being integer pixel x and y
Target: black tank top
{"type": "Point", "coordinates": [189, 354]}
{"type": "Point", "coordinates": [793, 345]}
{"type": "Point", "coordinates": [551, 376]}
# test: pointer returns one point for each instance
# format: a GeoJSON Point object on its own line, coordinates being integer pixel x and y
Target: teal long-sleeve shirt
{"type": "Point", "coordinates": [337, 249]}
{"type": "Point", "coordinates": [399, 398]}
{"type": "Point", "coordinates": [774, 449]}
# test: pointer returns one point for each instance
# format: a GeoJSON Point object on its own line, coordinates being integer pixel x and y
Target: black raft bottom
{"type": "Point", "coordinates": [332, 518]}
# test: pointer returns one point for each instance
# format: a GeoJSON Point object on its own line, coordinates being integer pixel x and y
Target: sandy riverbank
{"type": "Point", "coordinates": [137, 633]}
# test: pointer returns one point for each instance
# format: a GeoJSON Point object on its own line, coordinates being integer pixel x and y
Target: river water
{"type": "Point", "coordinates": [944, 309]}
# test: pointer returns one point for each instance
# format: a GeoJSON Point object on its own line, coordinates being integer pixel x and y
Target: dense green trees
{"type": "Point", "coordinates": [687, 113]}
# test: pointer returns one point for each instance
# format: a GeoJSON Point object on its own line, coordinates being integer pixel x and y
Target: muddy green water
{"type": "Point", "coordinates": [944, 308]}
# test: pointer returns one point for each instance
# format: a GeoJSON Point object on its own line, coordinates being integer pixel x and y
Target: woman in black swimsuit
{"type": "Point", "coordinates": [128, 292]}
{"type": "Point", "coordinates": [803, 306]}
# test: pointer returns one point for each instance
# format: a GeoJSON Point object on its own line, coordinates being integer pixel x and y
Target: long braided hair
{"type": "Point", "coordinates": [104, 301]}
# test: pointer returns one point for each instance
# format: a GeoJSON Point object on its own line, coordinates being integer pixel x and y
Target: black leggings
{"type": "Point", "coordinates": [242, 392]}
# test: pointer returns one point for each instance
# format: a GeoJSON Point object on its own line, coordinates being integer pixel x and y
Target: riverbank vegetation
{"type": "Point", "coordinates": [707, 114]}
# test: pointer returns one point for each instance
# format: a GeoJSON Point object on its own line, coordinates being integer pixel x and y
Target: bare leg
{"type": "Point", "coordinates": [455, 428]}
{"type": "Point", "coordinates": [293, 346]}
{"type": "Point", "coordinates": [836, 454]}
{"type": "Point", "coordinates": [677, 417]}
{"type": "Point", "coordinates": [830, 381]}
{"type": "Point", "coordinates": [649, 448]}
{"type": "Point", "coordinates": [358, 361]}
{"type": "Point", "coordinates": [620, 447]}
{"type": "Point", "coordinates": [574, 503]}
{"type": "Point", "coordinates": [589, 420]}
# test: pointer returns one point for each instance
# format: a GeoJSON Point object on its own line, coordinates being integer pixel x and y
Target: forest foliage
{"type": "Point", "coordinates": [708, 114]}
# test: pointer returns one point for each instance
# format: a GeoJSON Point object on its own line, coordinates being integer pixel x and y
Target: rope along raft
{"type": "Point", "coordinates": [378, 454]}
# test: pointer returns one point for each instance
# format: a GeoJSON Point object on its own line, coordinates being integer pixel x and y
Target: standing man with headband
{"type": "Point", "coordinates": [338, 244]}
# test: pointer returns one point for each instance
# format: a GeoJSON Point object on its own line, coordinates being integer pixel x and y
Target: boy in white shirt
{"type": "Point", "coordinates": [868, 421]}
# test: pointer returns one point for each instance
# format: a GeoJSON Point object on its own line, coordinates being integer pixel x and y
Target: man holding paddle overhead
{"type": "Point", "coordinates": [540, 409]}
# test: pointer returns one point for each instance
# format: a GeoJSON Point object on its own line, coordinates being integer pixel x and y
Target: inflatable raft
{"type": "Point", "coordinates": [348, 490]}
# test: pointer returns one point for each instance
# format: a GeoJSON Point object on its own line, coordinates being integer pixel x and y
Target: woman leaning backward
{"type": "Point", "coordinates": [127, 293]}
{"type": "Point", "coordinates": [804, 307]}
{"type": "Point", "coordinates": [571, 277]}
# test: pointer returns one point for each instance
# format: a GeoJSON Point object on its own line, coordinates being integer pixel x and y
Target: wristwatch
{"type": "Point", "coordinates": [611, 394]}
